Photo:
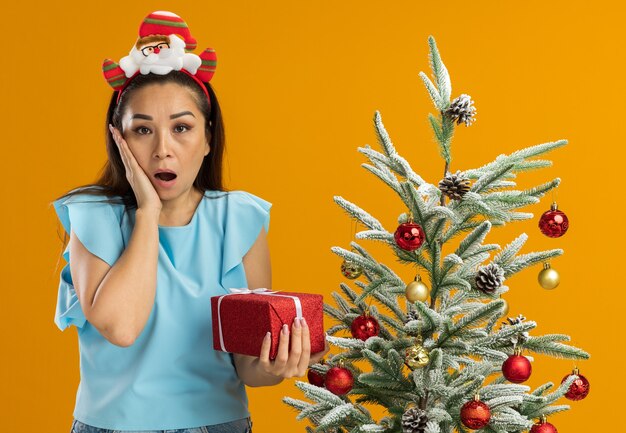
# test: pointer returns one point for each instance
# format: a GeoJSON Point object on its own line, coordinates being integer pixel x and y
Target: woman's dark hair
{"type": "Point", "coordinates": [112, 183]}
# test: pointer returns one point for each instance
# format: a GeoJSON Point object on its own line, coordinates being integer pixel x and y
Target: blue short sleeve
{"type": "Point", "coordinates": [245, 216]}
{"type": "Point", "coordinates": [97, 226]}
{"type": "Point", "coordinates": [68, 311]}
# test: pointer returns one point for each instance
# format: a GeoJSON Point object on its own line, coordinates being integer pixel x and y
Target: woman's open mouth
{"type": "Point", "coordinates": [165, 179]}
{"type": "Point", "coordinates": [165, 176]}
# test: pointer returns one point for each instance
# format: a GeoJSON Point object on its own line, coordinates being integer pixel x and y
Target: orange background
{"type": "Point", "coordinates": [299, 83]}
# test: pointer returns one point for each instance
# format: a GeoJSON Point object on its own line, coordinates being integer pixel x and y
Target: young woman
{"type": "Point", "coordinates": [149, 244]}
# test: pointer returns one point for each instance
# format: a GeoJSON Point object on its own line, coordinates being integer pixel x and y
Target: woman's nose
{"type": "Point", "coordinates": [162, 147]}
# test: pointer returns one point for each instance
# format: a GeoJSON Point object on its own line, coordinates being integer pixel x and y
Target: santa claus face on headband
{"type": "Point", "coordinates": [165, 44]}
{"type": "Point", "coordinates": [159, 54]}
{"type": "Point", "coordinates": [159, 43]}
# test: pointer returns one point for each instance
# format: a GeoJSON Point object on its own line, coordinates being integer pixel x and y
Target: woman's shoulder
{"type": "Point", "coordinates": [89, 204]}
{"type": "Point", "coordinates": [237, 200]}
{"type": "Point", "coordinates": [244, 197]}
{"type": "Point", "coordinates": [88, 194]}
{"type": "Point", "coordinates": [90, 197]}
{"type": "Point", "coordinates": [95, 219]}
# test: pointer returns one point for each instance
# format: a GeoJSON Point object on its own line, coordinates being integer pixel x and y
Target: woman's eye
{"type": "Point", "coordinates": [181, 126]}
{"type": "Point", "coordinates": [141, 130]}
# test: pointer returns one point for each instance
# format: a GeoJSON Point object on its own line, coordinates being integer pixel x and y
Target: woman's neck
{"type": "Point", "coordinates": [180, 211]}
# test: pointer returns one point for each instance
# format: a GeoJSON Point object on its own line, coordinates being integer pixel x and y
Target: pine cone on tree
{"type": "Point", "coordinates": [413, 315]}
{"type": "Point", "coordinates": [515, 320]}
{"type": "Point", "coordinates": [414, 420]}
{"type": "Point", "coordinates": [462, 110]}
{"type": "Point", "coordinates": [520, 337]}
{"type": "Point", "coordinates": [489, 278]}
{"type": "Point", "coordinates": [455, 185]}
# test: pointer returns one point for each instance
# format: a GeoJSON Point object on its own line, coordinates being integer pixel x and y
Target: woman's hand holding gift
{"type": "Point", "coordinates": [294, 362]}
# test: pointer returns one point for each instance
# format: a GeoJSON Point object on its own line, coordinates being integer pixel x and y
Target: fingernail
{"type": "Point", "coordinates": [303, 321]}
{"type": "Point", "coordinates": [285, 329]}
{"type": "Point", "coordinates": [296, 322]}
{"type": "Point", "coordinates": [267, 335]}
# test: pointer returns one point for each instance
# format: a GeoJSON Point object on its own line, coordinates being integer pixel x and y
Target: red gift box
{"type": "Point", "coordinates": [242, 318]}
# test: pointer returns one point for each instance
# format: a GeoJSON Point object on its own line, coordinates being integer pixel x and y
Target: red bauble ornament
{"type": "Point", "coordinates": [409, 236]}
{"type": "Point", "coordinates": [543, 427]}
{"type": "Point", "coordinates": [475, 414]}
{"type": "Point", "coordinates": [339, 380]}
{"type": "Point", "coordinates": [553, 223]}
{"type": "Point", "coordinates": [364, 327]}
{"type": "Point", "coordinates": [516, 368]}
{"type": "Point", "coordinates": [315, 378]}
{"type": "Point", "coordinates": [579, 388]}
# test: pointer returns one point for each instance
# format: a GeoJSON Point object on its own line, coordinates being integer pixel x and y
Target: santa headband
{"type": "Point", "coordinates": [163, 46]}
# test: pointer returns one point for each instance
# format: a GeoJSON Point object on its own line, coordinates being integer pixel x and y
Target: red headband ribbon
{"type": "Point", "coordinates": [200, 83]}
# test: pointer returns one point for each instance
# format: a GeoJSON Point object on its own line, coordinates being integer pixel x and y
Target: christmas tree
{"type": "Point", "coordinates": [434, 358]}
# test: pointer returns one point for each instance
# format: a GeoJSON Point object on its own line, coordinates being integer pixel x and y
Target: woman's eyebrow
{"type": "Point", "coordinates": [173, 116]}
{"type": "Point", "coordinates": [182, 113]}
{"type": "Point", "coordinates": [141, 116]}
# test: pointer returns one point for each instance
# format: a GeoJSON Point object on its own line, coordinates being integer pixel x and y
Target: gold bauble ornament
{"type": "Point", "coordinates": [548, 278]}
{"type": "Point", "coordinates": [416, 290]}
{"type": "Point", "coordinates": [416, 356]}
{"type": "Point", "coordinates": [351, 270]}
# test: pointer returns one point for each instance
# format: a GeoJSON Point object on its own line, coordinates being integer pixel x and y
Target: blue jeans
{"type": "Point", "coordinates": [243, 425]}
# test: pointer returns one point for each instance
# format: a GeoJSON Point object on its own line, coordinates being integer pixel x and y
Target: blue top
{"type": "Point", "coordinates": [170, 377]}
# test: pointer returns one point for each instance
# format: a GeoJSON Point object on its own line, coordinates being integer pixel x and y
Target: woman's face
{"type": "Point", "coordinates": [165, 129]}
